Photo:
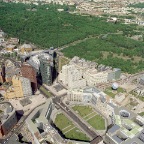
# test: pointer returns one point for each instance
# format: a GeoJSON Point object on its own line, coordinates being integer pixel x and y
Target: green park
{"type": "Point", "coordinates": [90, 116]}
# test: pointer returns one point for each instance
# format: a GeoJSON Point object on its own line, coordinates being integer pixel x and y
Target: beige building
{"type": "Point", "coordinates": [10, 48]}
{"type": "Point", "coordinates": [26, 48]}
{"type": "Point", "coordinates": [20, 87]}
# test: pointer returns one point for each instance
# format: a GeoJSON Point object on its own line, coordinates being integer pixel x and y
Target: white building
{"type": "Point", "coordinates": [94, 77]}
{"type": "Point", "coordinates": [72, 77]}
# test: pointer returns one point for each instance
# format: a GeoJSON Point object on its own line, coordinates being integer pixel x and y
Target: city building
{"type": "Point", "coordinates": [11, 70]}
{"type": "Point", "coordinates": [38, 121]}
{"type": "Point", "coordinates": [29, 72]}
{"type": "Point", "coordinates": [34, 60]}
{"type": "Point", "coordinates": [13, 41]}
{"type": "Point", "coordinates": [2, 73]}
{"type": "Point", "coordinates": [80, 73]}
{"type": "Point", "coordinates": [127, 128]}
{"type": "Point", "coordinates": [86, 95]}
{"type": "Point", "coordinates": [72, 77]}
{"type": "Point", "coordinates": [8, 118]}
{"type": "Point", "coordinates": [10, 48]}
{"type": "Point", "coordinates": [26, 48]}
{"type": "Point", "coordinates": [141, 81]}
{"type": "Point", "coordinates": [21, 87]}
{"type": "Point", "coordinates": [46, 70]}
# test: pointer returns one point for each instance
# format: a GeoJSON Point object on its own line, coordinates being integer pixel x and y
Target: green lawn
{"type": "Point", "coordinates": [109, 93]}
{"type": "Point", "coordinates": [45, 91]}
{"type": "Point", "coordinates": [112, 93]}
{"type": "Point", "coordinates": [62, 121]}
{"type": "Point", "coordinates": [64, 124]}
{"type": "Point", "coordinates": [141, 114]}
{"type": "Point", "coordinates": [77, 134]}
{"type": "Point", "coordinates": [97, 122]}
{"type": "Point", "coordinates": [83, 110]}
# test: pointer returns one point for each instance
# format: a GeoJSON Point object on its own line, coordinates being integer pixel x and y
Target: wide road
{"type": "Point", "coordinates": [64, 107]}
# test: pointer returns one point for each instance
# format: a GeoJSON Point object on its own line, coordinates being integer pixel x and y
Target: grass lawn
{"type": "Point", "coordinates": [90, 115]}
{"type": "Point", "coordinates": [83, 110]}
{"type": "Point", "coordinates": [77, 134]}
{"type": "Point", "coordinates": [62, 121]}
{"type": "Point", "coordinates": [64, 124]}
{"type": "Point", "coordinates": [97, 122]}
{"type": "Point", "coordinates": [109, 93]}
{"type": "Point", "coordinates": [112, 93]}
{"type": "Point", "coordinates": [45, 91]}
{"type": "Point", "coordinates": [141, 114]}
{"type": "Point", "coordinates": [120, 90]}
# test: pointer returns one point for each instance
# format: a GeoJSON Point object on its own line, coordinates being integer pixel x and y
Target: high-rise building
{"type": "Point", "coordinates": [117, 73]}
{"type": "Point", "coordinates": [46, 70]}
{"type": "Point", "coordinates": [29, 72]}
{"type": "Point", "coordinates": [20, 87]}
{"type": "Point", "coordinates": [2, 73]}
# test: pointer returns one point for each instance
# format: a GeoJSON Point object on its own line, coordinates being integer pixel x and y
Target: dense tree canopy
{"type": "Point", "coordinates": [46, 27]}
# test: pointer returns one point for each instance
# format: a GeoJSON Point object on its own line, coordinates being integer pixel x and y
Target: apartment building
{"type": "Point", "coordinates": [20, 87]}
{"type": "Point", "coordinates": [29, 72]}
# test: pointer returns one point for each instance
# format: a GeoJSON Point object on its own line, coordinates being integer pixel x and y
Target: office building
{"type": "Point", "coordinates": [21, 87]}
{"type": "Point", "coordinates": [46, 70]}
{"type": "Point", "coordinates": [29, 72]}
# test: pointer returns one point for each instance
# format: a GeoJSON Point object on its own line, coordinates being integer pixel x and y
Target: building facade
{"type": "Point", "coordinates": [29, 72]}
{"type": "Point", "coordinates": [9, 118]}
{"type": "Point", "coordinates": [46, 71]}
{"type": "Point", "coordinates": [2, 73]}
{"type": "Point", "coordinates": [20, 87]}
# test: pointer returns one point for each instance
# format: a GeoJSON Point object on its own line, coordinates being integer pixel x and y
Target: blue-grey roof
{"type": "Point", "coordinates": [117, 139]}
{"type": "Point", "coordinates": [112, 105]}
{"type": "Point", "coordinates": [113, 129]}
{"type": "Point", "coordinates": [91, 90]}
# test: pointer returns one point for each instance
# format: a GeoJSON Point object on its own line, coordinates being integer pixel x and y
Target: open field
{"type": "Point", "coordinates": [69, 129]}
{"type": "Point", "coordinates": [90, 116]}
